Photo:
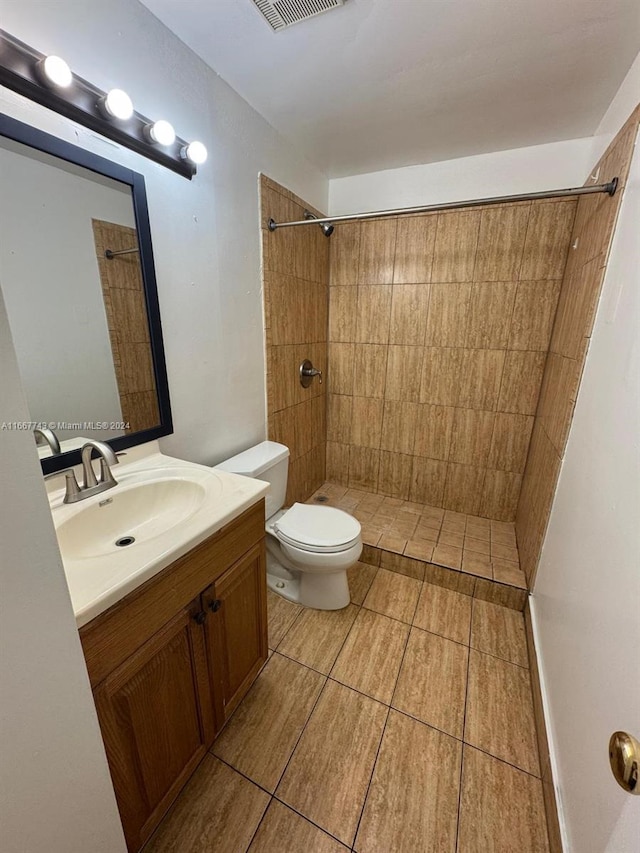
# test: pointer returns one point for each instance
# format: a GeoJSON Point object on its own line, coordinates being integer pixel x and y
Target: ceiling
{"type": "Point", "coordinates": [377, 84]}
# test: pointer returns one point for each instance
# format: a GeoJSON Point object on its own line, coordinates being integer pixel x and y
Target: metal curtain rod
{"type": "Point", "coordinates": [608, 188]}
{"type": "Point", "coordinates": [109, 254]}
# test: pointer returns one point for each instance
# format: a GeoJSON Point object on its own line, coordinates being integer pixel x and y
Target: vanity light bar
{"type": "Point", "coordinates": [48, 80]}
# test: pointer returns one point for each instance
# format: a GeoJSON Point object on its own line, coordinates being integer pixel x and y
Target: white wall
{"type": "Point", "coordinates": [625, 101]}
{"type": "Point", "coordinates": [205, 232]}
{"type": "Point", "coordinates": [56, 789]}
{"type": "Point", "coordinates": [586, 604]}
{"type": "Point", "coordinates": [53, 295]}
{"type": "Point", "coordinates": [520, 170]}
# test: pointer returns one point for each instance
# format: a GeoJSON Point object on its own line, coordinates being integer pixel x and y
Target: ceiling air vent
{"type": "Point", "coordinates": [283, 13]}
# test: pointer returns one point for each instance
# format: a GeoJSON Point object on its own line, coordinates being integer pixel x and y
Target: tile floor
{"type": "Point", "coordinates": [401, 724]}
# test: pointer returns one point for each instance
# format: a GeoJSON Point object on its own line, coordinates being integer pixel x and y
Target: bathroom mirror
{"type": "Point", "coordinates": [78, 281]}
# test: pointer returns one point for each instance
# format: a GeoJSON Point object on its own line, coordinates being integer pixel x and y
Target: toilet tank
{"type": "Point", "coordinates": [267, 461]}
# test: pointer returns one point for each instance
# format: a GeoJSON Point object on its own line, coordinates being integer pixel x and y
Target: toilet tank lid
{"type": "Point", "coordinates": [255, 460]}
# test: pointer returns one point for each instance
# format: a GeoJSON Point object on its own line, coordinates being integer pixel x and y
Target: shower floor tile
{"type": "Point", "coordinates": [430, 543]}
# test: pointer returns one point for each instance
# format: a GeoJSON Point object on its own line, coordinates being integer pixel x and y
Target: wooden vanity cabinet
{"type": "Point", "coordinates": [170, 662]}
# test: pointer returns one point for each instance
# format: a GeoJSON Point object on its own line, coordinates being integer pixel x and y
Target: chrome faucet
{"type": "Point", "coordinates": [47, 436]}
{"type": "Point", "coordinates": [90, 485]}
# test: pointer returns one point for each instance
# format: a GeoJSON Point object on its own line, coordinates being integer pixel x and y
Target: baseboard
{"type": "Point", "coordinates": [552, 802]}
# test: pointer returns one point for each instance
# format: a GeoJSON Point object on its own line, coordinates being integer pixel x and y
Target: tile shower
{"type": "Point", "coordinates": [452, 346]}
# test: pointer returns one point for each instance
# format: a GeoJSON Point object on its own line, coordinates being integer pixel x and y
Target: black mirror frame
{"type": "Point", "coordinates": [41, 141]}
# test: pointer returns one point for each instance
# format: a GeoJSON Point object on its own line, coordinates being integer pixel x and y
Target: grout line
{"type": "Point", "coordinates": [313, 823]}
{"type": "Point", "coordinates": [464, 726]}
{"type": "Point", "coordinates": [373, 770]}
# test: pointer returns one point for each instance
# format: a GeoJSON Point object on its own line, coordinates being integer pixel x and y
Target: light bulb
{"type": "Point", "coordinates": [195, 152]}
{"type": "Point", "coordinates": [117, 104]}
{"type": "Point", "coordinates": [161, 132]}
{"type": "Point", "coordinates": [55, 72]}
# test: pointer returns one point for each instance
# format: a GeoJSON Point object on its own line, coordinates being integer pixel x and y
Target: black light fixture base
{"type": "Point", "coordinates": [80, 102]}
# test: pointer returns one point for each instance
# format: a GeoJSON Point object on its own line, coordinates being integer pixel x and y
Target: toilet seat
{"type": "Point", "coordinates": [317, 529]}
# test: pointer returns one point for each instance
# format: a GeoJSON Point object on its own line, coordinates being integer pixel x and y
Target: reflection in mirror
{"type": "Point", "coordinates": [71, 277]}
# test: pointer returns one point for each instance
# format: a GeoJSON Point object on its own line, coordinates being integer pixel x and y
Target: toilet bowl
{"type": "Point", "coordinates": [309, 547]}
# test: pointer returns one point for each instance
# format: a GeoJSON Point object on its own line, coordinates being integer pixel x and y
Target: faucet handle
{"type": "Point", "coordinates": [105, 473]}
{"type": "Point", "coordinates": [72, 492]}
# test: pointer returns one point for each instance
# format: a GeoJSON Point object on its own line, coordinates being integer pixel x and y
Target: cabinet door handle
{"type": "Point", "coordinates": [200, 617]}
{"type": "Point", "coordinates": [215, 605]}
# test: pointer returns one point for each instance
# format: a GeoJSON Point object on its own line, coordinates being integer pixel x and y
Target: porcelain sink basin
{"type": "Point", "coordinates": [131, 515]}
{"type": "Point", "coordinates": [159, 510]}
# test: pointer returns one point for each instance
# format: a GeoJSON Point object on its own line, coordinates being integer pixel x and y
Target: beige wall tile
{"type": "Point", "coordinates": [282, 428]}
{"type": "Point", "coordinates": [499, 717]}
{"type": "Point", "coordinates": [363, 468]}
{"type": "Point", "coordinates": [343, 313]}
{"type": "Point", "coordinates": [398, 426]}
{"type": "Point", "coordinates": [404, 373]}
{"type": "Point", "coordinates": [444, 612]}
{"type": "Point", "coordinates": [490, 313]}
{"type": "Point", "coordinates": [338, 462]}
{"type": "Point", "coordinates": [394, 475]}
{"type": "Point", "coordinates": [557, 398]}
{"type": "Point", "coordinates": [339, 418]}
{"type": "Point", "coordinates": [317, 636]}
{"type": "Point", "coordinates": [533, 315]}
{"type": "Point", "coordinates": [521, 380]}
{"type": "Point", "coordinates": [370, 370]}
{"type": "Point", "coordinates": [285, 831]}
{"type": "Point", "coordinates": [434, 425]}
{"type": "Point", "coordinates": [409, 310]}
{"type": "Point", "coordinates": [499, 593]}
{"type": "Point", "coordinates": [545, 249]}
{"type": "Point", "coordinates": [577, 308]}
{"type": "Point", "coordinates": [501, 242]}
{"type": "Point", "coordinates": [449, 305]}
{"type": "Point", "coordinates": [259, 739]}
{"type": "Point", "coordinates": [440, 383]}
{"type": "Point", "coordinates": [510, 441]}
{"type": "Point", "coordinates": [377, 251]}
{"type": "Point", "coordinates": [471, 436]}
{"type": "Point", "coordinates": [432, 684]}
{"type": "Point", "coordinates": [455, 246]}
{"type": "Point", "coordinates": [463, 488]}
{"type": "Point", "coordinates": [427, 481]}
{"type": "Point", "coordinates": [341, 361]}
{"type": "Point", "coordinates": [500, 493]}
{"type": "Point", "coordinates": [344, 252]}
{"type": "Point", "coordinates": [501, 808]}
{"type": "Point", "coordinates": [415, 239]}
{"type": "Point", "coordinates": [366, 423]}
{"type": "Point", "coordinates": [373, 314]}
{"type": "Point", "coordinates": [328, 775]}
{"type": "Point", "coordinates": [371, 656]}
{"type": "Point", "coordinates": [480, 377]}
{"type": "Point", "coordinates": [404, 812]}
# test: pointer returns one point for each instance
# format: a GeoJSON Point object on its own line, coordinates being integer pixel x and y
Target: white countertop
{"type": "Point", "coordinates": [98, 580]}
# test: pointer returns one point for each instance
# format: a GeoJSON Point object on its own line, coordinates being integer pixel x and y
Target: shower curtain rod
{"type": "Point", "coordinates": [109, 254]}
{"type": "Point", "coordinates": [608, 188]}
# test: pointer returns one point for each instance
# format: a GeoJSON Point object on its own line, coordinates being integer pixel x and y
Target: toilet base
{"type": "Point", "coordinates": [320, 591]}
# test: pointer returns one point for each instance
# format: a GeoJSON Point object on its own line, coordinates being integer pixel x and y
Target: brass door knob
{"type": "Point", "coordinates": [624, 758]}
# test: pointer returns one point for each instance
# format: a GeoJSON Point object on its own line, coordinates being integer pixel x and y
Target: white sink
{"type": "Point", "coordinates": [132, 515]}
{"type": "Point", "coordinates": [161, 508]}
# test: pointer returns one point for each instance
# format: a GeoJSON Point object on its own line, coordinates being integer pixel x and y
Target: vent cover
{"type": "Point", "coordinates": [283, 13]}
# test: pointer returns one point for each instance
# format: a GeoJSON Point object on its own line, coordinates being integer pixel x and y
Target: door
{"type": "Point", "coordinates": [236, 630]}
{"type": "Point", "coordinates": [156, 716]}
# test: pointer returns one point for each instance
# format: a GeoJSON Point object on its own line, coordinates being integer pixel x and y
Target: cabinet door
{"type": "Point", "coordinates": [156, 716]}
{"type": "Point", "coordinates": [236, 630]}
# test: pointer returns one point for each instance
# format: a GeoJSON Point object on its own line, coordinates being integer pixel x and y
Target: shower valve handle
{"type": "Point", "coordinates": [307, 372]}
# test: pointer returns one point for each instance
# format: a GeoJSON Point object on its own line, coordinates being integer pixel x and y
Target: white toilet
{"type": "Point", "coordinates": [309, 547]}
